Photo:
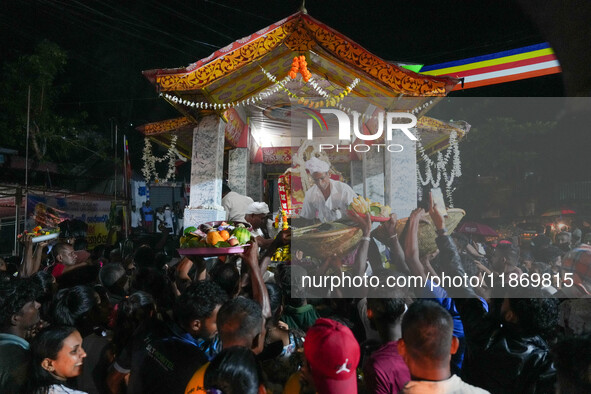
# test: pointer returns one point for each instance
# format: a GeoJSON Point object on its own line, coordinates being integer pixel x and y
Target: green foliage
{"type": "Point", "coordinates": [55, 136]}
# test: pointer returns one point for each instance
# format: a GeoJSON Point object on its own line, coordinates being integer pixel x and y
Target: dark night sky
{"type": "Point", "coordinates": [109, 43]}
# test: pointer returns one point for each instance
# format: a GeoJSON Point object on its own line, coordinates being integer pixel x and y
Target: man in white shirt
{"type": "Point", "coordinates": [168, 218]}
{"type": "Point", "coordinates": [327, 200]}
{"type": "Point", "coordinates": [234, 204]}
{"type": "Point", "coordinates": [136, 219]}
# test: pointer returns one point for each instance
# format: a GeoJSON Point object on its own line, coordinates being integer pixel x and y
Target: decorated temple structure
{"type": "Point", "coordinates": [235, 107]}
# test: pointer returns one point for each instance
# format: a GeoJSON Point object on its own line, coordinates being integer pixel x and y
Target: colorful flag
{"type": "Point", "coordinates": [513, 65]}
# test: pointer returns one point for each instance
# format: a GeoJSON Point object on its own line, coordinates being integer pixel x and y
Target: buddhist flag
{"type": "Point", "coordinates": [513, 65]}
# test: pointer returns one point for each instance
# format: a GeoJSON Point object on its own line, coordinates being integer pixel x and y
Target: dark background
{"type": "Point", "coordinates": [109, 43]}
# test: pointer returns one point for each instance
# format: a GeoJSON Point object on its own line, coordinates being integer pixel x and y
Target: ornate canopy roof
{"type": "Point", "coordinates": [234, 74]}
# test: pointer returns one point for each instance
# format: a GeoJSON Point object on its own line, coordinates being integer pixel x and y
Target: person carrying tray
{"type": "Point", "coordinates": [328, 199]}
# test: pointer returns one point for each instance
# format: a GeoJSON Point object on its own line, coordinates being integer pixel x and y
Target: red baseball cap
{"type": "Point", "coordinates": [333, 355]}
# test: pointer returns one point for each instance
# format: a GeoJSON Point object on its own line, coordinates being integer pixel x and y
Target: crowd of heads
{"type": "Point", "coordinates": [122, 319]}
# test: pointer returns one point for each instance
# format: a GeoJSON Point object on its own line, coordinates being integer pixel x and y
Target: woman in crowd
{"type": "Point", "coordinates": [234, 371]}
{"type": "Point", "coordinates": [57, 356]}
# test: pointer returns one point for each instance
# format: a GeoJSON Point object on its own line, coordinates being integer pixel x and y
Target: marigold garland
{"type": "Point", "coordinates": [299, 65]}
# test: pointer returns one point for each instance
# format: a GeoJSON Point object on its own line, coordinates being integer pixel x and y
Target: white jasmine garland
{"type": "Point", "coordinates": [440, 166]}
{"type": "Point", "coordinates": [149, 168]}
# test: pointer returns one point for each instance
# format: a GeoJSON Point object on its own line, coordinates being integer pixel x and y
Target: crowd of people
{"type": "Point", "coordinates": [130, 319]}
{"type": "Point", "coordinates": [149, 220]}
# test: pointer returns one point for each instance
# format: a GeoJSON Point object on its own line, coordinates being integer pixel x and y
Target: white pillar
{"type": "Point", "coordinates": [400, 176]}
{"type": "Point", "coordinates": [357, 176]}
{"type": "Point", "coordinates": [374, 175]}
{"type": "Point", "coordinates": [254, 184]}
{"type": "Point", "coordinates": [238, 160]}
{"type": "Point", "coordinates": [207, 164]}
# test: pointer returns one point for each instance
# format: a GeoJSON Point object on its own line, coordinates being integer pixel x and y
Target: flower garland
{"type": "Point", "coordinates": [330, 100]}
{"type": "Point", "coordinates": [149, 168]}
{"type": "Point", "coordinates": [299, 65]}
{"type": "Point", "coordinates": [440, 167]}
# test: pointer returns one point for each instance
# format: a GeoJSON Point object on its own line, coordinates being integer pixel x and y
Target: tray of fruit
{"type": "Point", "coordinates": [362, 206]}
{"type": "Point", "coordinates": [215, 239]}
{"type": "Point", "coordinates": [40, 234]}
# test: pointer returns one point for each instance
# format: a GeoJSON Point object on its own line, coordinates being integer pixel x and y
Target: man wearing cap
{"type": "Point", "coordinates": [328, 199]}
{"type": "Point", "coordinates": [332, 355]}
{"type": "Point", "coordinates": [256, 216]}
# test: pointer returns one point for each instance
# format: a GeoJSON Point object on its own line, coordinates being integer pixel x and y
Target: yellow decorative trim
{"type": "Point", "coordinates": [302, 34]}
{"type": "Point", "coordinates": [386, 73]}
{"type": "Point", "coordinates": [166, 126]}
{"type": "Point", "coordinates": [226, 64]}
{"type": "Point", "coordinates": [300, 40]}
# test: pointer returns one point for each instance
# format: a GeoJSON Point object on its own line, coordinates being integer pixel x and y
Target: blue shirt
{"type": "Point", "coordinates": [148, 213]}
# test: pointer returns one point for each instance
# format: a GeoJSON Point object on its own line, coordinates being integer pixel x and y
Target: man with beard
{"type": "Point", "coordinates": [328, 199]}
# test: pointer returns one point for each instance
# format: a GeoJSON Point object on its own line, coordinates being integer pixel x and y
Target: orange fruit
{"type": "Point", "coordinates": [225, 235]}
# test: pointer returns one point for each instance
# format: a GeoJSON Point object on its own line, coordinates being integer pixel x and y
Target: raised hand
{"type": "Point", "coordinates": [435, 214]}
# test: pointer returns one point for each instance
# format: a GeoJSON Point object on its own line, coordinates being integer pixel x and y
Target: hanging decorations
{"type": "Point", "coordinates": [299, 65]}
{"type": "Point", "coordinates": [440, 166]}
{"type": "Point", "coordinates": [149, 168]}
{"type": "Point", "coordinates": [329, 100]}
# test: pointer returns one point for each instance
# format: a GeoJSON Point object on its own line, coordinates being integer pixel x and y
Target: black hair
{"type": "Point", "coordinates": [549, 255]}
{"type": "Point", "coordinates": [58, 248]}
{"type": "Point", "coordinates": [427, 330]}
{"type": "Point", "coordinates": [239, 319]}
{"type": "Point", "coordinates": [387, 310]}
{"type": "Point", "coordinates": [97, 252]}
{"type": "Point", "coordinates": [293, 291]}
{"type": "Point", "coordinates": [235, 370]}
{"type": "Point", "coordinates": [155, 283]}
{"type": "Point", "coordinates": [572, 359]}
{"type": "Point", "coordinates": [73, 305]}
{"type": "Point", "coordinates": [110, 274]}
{"type": "Point", "coordinates": [47, 290]}
{"type": "Point", "coordinates": [132, 311]}
{"type": "Point", "coordinates": [82, 275]}
{"type": "Point", "coordinates": [509, 252]}
{"type": "Point", "coordinates": [526, 255]}
{"type": "Point", "coordinates": [275, 297]}
{"type": "Point", "coordinates": [80, 244]}
{"type": "Point", "coordinates": [145, 257]}
{"type": "Point", "coordinates": [73, 228]}
{"type": "Point", "coordinates": [226, 275]}
{"type": "Point", "coordinates": [198, 301]}
{"type": "Point", "coordinates": [225, 188]}
{"type": "Point", "coordinates": [461, 240]}
{"type": "Point", "coordinates": [536, 314]}
{"type": "Point", "coordinates": [14, 294]}
{"type": "Point", "coordinates": [46, 344]}
{"type": "Point", "coordinates": [45, 281]}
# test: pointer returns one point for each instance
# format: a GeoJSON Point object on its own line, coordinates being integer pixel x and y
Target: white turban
{"type": "Point", "coordinates": [257, 208]}
{"type": "Point", "coordinates": [316, 165]}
